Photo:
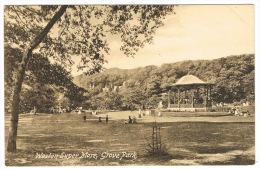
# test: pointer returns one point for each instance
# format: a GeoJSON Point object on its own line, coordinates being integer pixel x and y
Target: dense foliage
{"type": "Point", "coordinates": [44, 83]}
{"type": "Point", "coordinates": [233, 77]}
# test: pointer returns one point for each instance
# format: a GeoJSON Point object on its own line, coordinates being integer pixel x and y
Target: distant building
{"type": "Point", "coordinates": [105, 89]}
{"type": "Point", "coordinates": [91, 86]}
{"type": "Point", "coordinates": [124, 84]}
{"type": "Point", "coordinates": [111, 87]}
{"type": "Point", "coordinates": [116, 89]}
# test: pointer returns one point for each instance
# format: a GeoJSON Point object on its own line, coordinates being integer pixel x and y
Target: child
{"type": "Point", "coordinates": [134, 120]}
{"type": "Point", "coordinates": [130, 120]}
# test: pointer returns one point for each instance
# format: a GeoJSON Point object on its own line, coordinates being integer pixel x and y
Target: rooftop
{"type": "Point", "coordinates": [189, 80]}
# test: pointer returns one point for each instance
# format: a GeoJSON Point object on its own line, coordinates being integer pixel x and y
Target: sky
{"type": "Point", "coordinates": [194, 32]}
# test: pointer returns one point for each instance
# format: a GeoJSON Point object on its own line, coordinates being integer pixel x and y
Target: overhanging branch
{"type": "Point", "coordinates": [38, 39]}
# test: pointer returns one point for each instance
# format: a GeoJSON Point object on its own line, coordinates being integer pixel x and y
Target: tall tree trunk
{"type": "Point", "coordinates": [11, 145]}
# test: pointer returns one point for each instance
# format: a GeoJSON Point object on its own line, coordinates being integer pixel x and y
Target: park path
{"type": "Point", "coordinates": [123, 115]}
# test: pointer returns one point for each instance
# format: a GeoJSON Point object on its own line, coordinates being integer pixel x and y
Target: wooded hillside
{"type": "Point", "coordinates": [233, 77]}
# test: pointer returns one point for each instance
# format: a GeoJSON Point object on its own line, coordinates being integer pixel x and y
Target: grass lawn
{"type": "Point", "coordinates": [188, 142]}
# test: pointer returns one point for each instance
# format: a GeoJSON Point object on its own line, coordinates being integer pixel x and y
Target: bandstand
{"type": "Point", "coordinates": [190, 93]}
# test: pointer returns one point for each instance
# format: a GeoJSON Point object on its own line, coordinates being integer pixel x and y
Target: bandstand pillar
{"type": "Point", "coordinates": [169, 98]}
{"type": "Point", "coordinates": [179, 98]}
{"type": "Point", "coordinates": [210, 95]}
{"type": "Point", "coordinates": [192, 100]}
{"type": "Point", "coordinates": [207, 99]}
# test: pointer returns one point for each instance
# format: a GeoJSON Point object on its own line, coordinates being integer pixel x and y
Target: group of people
{"type": "Point", "coordinates": [237, 112]}
{"type": "Point", "coordinates": [59, 109]}
{"type": "Point", "coordinates": [99, 119]}
{"type": "Point", "coordinates": [131, 120]}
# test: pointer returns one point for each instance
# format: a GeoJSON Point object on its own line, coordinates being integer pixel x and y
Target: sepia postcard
{"type": "Point", "coordinates": [129, 85]}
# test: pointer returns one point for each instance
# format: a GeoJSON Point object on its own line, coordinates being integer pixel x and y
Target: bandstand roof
{"type": "Point", "coordinates": [190, 80]}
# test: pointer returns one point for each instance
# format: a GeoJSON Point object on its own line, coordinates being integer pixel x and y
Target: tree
{"type": "Point", "coordinates": [110, 100]}
{"type": "Point", "coordinates": [40, 72]}
{"type": "Point", "coordinates": [12, 58]}
{"type": "Point", "coordinates": [81, 31]}
{"type": "Point", "coordinates": [38, 98]}
{"type": "Point", "coordinates": [153, 85]}
{"type": "Point", "coordinates": [133, 97]}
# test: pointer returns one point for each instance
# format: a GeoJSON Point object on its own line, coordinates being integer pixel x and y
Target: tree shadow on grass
{"type": "Point", "coordinates": [238, 160]}
{"type": "Point", "coordinates": [213, 149]}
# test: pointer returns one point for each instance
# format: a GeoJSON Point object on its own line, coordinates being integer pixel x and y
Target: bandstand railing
{"type": "Point", "coordinates": [174, 105]}
{"type": "Point", "coordinates": [188, 105]}
{"type": "Point", "coordinates": [199, 105]}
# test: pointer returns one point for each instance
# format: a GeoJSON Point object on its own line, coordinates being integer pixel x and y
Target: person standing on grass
{"type": "Point", "coordinates": [107, 119]}
{"type": "Point", "coordinates": [99, 119]}
{"type": "Point", "coordinates": [84, 118]}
